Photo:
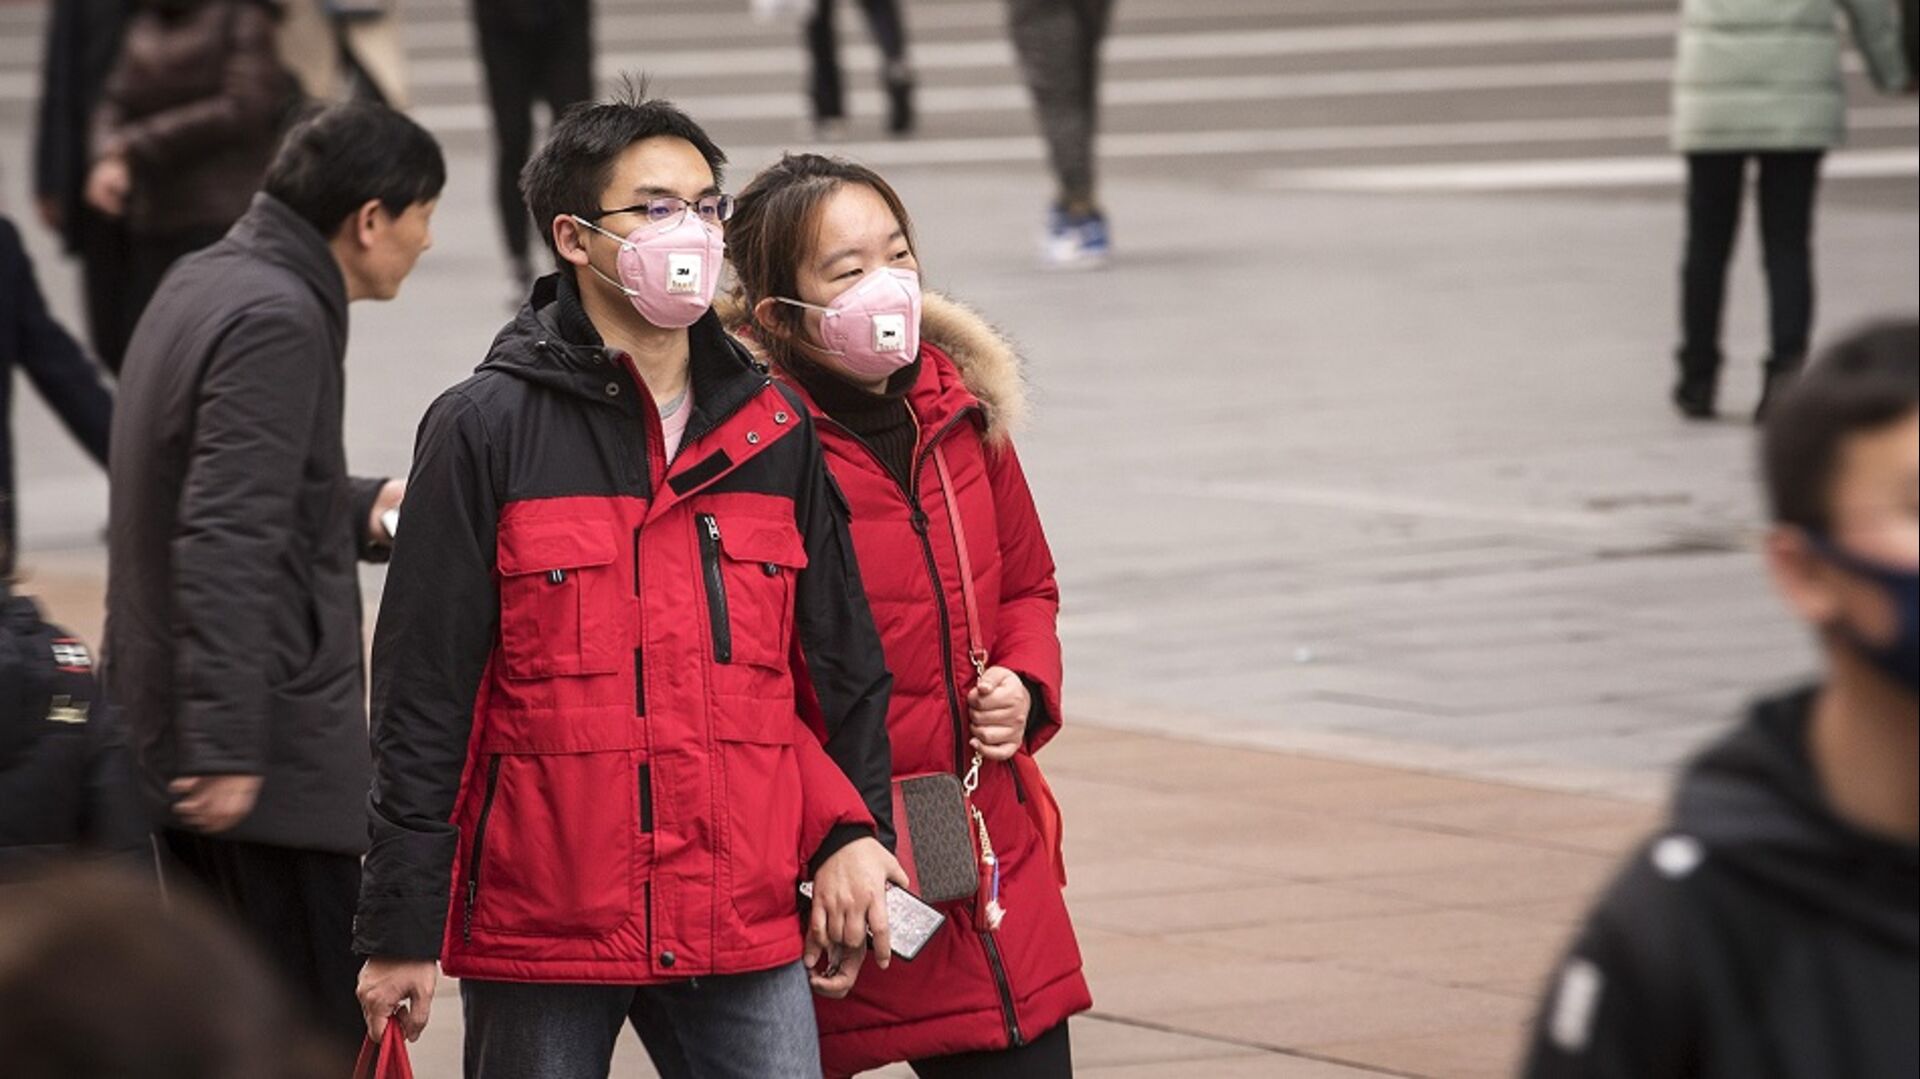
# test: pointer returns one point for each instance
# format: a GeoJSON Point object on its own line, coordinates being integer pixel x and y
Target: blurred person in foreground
{"type": "Point", "coordinates": [100, 980]}
{"type": "Point", "coordinates": [1058, 42]}
{"type": "Point", "coordinates": [628, 591]}
{"type": "Point", "coordinates": [1773, 929]}
{"type": "Point", "coordinates": [916, 398]}
{"type": "Point", "coordinates": [1760, 81]}
{"type": "Point", "coordinates": [184, 129]}
{"type": "Point", "coordinates": [32, 341]}
{"type": "Point", "coordinates": [233, 600]}
{"type": "Point", "coordinates": [65, 779]}
{"type": "Point", "coordinates": [83, 39]}
{"type": "Point", "coordinates": [533, 51]}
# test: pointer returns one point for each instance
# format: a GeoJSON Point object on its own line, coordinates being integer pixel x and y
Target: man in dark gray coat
{"type": "Point", "coordinates": [233, 603]}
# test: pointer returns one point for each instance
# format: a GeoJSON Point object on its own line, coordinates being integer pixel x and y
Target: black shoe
{"type": "Point", "coordinates": [1694, 398]}
{"type": "Point", "coordinates": [901, 119]}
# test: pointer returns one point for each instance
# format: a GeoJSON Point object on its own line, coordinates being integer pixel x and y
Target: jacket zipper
{"type": "Point", "coordinates": [1005, 987]}
{"type": "Point", "coordinates": [479, 845]}
{"type": "Point", "coordinates": [716, 587]}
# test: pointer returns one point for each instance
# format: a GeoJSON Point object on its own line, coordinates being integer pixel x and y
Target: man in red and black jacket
{"type": "Point", "coordinates": [621, 603]}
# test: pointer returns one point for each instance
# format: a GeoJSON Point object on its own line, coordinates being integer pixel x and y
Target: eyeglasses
{"type": "Point", "coordinates": [713, 209]}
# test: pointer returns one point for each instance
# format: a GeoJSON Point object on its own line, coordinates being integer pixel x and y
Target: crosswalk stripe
{"type": "Point", "coordinates": [1562, 174]}
{"type": "Point", "coordinates": [789, 60]}
{"type": "Point", "coordinates": [1126, 93]}
{"type": "Point", "coordinates": [1151, 145]}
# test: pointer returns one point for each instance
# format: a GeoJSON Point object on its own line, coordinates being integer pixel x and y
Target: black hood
{"type": "Point", "coordinates": [1755, 803]}
{"type": "Point", "coordinates": [552, 343]}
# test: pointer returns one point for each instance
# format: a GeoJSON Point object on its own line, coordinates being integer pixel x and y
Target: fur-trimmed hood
{"type": "Point", "coordinates": [988, 362]}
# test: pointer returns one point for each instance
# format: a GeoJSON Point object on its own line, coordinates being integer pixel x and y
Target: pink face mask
{"type": "Point", "coordinates": [872, 329]}
{"type": "Point", "coordinates": [669, 270]}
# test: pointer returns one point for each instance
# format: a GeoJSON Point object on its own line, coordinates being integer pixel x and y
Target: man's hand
{"type": "Point", "coordinates": [388, 984]}
{"type": "Point", "coordinates": [214, 804]}
{"type": "Point", "coordinates": [850, 902]}
{"type": "Point", "coordinates": [392, 493]}
{"type": "Point", "coordinates": [998, 708]}
{"type": "Point", "coordinates": [108, 184]}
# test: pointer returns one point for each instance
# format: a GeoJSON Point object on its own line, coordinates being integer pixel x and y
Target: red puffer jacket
{"type": "Point", "coordinates": [971, 989]}
{"type": "Point", "coordinates": [589, 754]}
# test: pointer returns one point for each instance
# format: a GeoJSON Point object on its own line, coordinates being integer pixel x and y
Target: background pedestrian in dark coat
{"type": "Point", "coordinates": [233, 598]}
{"type": "Point", "coordinates": [83, 38]}
{"type": "Point", "coordinates": [184, 129]}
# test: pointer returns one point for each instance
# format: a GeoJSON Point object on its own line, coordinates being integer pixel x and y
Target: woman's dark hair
{"type": "Point", "coordinates": [331, 163]}
{"type": "Point", "coordinates": [1867, 380]}
{"type": "Point", "coordinates": [776, 224]}
{"type": "Point", "coordinates": [570, 170]}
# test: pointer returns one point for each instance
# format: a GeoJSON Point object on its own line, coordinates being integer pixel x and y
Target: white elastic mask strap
{"type": "Point", "coordinates": [584, 223]}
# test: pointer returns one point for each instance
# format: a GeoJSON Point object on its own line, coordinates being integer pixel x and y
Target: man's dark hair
{"type": "Point", "coordinates": [574, 165]}
{"type": "Point", "coordinates": [333, 162]}
{"type": "Point", "coordinates": [1866, 381]}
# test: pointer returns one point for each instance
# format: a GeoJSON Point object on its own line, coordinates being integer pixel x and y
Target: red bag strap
{"type": "Point", "coordinates": [976, 648]}
{"type": "Point", "coordinates": [385, 1059]}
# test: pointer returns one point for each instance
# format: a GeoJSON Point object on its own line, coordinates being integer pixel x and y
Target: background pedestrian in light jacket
{"type": "Point", "coordinates": [1759, 81]}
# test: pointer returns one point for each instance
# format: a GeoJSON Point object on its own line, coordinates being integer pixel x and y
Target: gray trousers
{"type": "Point", "coordinates": [1058, 42]}
{"type": "Point", "coordinates": [736, 1026]}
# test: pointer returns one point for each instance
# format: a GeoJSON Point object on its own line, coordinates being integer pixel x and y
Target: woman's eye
{"type": "Point", "coordinates": [898, 255]}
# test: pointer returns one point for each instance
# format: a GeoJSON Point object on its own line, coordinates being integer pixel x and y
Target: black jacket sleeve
{"type": "Point", "coordinates": [438, 619]}
{"type": "Point", "coordinates": [845, 664]}
{"type": "Point", "coordinates": [55, 362]}
{"type": "Point", "coordinates": [252, 421]}
{"type": "Point", "coordinates": [1619, 1005]}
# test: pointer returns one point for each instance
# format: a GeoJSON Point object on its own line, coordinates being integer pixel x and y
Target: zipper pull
{"type": "Point", "coordinates": [466, 932]}
{"type": "Point", "coordinates": [713, 529]}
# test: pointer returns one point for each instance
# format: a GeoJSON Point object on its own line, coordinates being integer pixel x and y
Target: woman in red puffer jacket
{"type": "Point", "coordinates": [915, 397]}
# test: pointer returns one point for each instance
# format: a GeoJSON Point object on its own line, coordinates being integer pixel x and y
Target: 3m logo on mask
{"type": "Point", "coordinates": [889, 333]}
{"type": "Point", "coordinates": [684, 271]}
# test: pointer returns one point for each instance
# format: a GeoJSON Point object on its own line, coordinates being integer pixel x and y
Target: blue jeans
{"type": "Point", "coordinates": [734, 1026]}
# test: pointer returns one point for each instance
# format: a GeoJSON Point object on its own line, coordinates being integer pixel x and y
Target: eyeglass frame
{"type": "Point", "coordinates": [724, 210]}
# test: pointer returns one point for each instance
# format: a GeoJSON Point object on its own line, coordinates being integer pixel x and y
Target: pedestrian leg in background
{"type": "Point", "coordinates": [547, 56]}
{"type": "Point", "coordinates": [106, 265]}
{"type": "Point", "coordinates": [509, 65]}
{"type": "Point", "coordinates": [298, 905]}
{"type": "Point", "coordinates": [827, 85]}
{"type": "Point", "coordinates": [1058, 43]}
{"type": "Point", "coordinates": [1714, 192]}
{"type": "Point", "coordinates": [826, 89]}
{"type": "Point", "coordinates": [889, 31]}
{"type": "Point", "coordinates": [1788, 184]}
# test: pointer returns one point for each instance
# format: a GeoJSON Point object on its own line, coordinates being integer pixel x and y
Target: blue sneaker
{"type": "Point", "coordinates": [1076, 241]}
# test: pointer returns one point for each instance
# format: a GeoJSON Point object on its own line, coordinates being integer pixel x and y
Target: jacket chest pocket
{"type": "Point", "coordinates": [561, 600]}
{"type": "Point", "coordinates": [748, 568]}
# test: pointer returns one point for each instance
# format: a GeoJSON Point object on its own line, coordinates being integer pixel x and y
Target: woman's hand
{"type": "Point", "coordinates": [998, 708]}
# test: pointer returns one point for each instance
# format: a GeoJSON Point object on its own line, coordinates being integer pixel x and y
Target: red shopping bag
{"type": "Point", "coordinates": [386, 1059]}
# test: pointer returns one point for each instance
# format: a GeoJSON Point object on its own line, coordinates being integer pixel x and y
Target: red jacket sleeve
{"type": "Point", "coordinates": [832, 813]}
{"type": "Point", "coordinates": [1027, 637]}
